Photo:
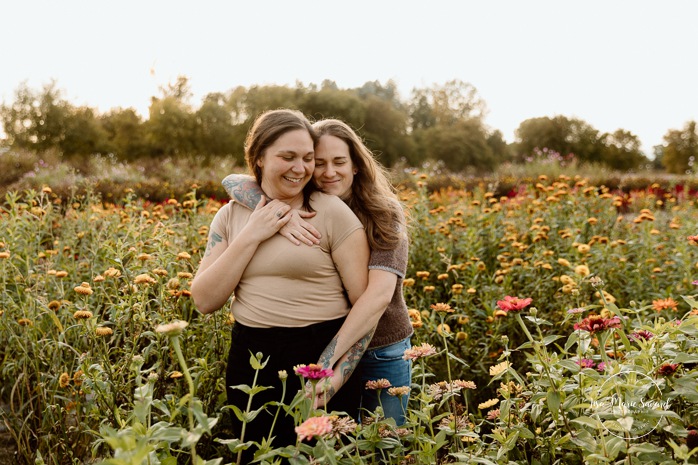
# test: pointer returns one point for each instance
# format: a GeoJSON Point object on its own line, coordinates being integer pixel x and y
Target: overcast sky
{"type": "Point", "coordinates": [630, 64]}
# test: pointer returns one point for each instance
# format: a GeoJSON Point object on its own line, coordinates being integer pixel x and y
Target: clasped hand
{"type": "Point", "coordinates": [276, 216]}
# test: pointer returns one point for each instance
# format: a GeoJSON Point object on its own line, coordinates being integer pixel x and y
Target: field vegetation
{"type": "Point", "coordinates": [554, 312]}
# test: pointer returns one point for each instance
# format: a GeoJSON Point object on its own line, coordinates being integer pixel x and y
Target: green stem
{"type": "Point", "coordinates": [192, 391]}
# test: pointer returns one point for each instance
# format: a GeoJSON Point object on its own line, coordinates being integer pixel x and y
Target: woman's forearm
{"type": "Point", "coordinates": [357, 330]}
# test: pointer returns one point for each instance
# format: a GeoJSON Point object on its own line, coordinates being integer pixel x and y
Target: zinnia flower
{"type": "Point", "coordinates": [183, 256]}
{"type": "Point", "coordinates": [176, 374]}
{"type": "Point", "coordinates": [83, 289]}
{"type": "Point", "coordinates": [596, 324]}
{"type": "Point", "coordinates": [54, 305]}
{"type": "Point", "coordinates": [313, 371]}
{"type": "Point", "coordinates": [378, 384]}
{"type": "Point", "coordinates": [174, 328]}
{"type": "Point", "coordinates": [314, 427]}
{"type": "Point", "coordinates": [103, 331]}
{"type": "Point", "coordinates": [399, 391]}
{"type": "Point", "coordinates": [417, 352]}
{"type": "Point", "coordinates": [585, 363]}
{"type": "Point", "coordinates": [667, 369]}
{"type": "Point", "coordinates": [82, 315]}
{"type": "Point", "coordinates": [642, 334]}
{"type": "Point", "coordinates": [442, 308]}
{"type": "Point", "coordinates": [144, 279]}
{"type": "Point", "coordinates": [514, 304]}
{"type": "Point", "coordinates": [661, 304]}
{"type": "Point", "coordinates": [499, 368]}
{"type": "Point", "coordinates": [488, 404]}
{"type": "Point", "coordinates": [64, 380]}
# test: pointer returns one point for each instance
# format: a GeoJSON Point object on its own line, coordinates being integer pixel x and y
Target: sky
{"type": "Point", "coordinates": [630, 64]}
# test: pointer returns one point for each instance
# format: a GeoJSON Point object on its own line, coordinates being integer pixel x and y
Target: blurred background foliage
{"type": "Point", "coordinates": [444, 123]}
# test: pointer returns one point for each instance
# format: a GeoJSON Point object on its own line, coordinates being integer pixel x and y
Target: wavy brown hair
{"type": "Point", "coordinates": [373, 198]}
{"type": "Point", "coordinates": [265, 130]}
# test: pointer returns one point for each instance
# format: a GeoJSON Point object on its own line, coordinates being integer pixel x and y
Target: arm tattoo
{"type": "Point", "coordinates": [328, 353]}
{"type": "Point", "coordinates": [354, 356]}
{"type": "Point", "coordinates": [243, 190]}
{"type": "Point", "coordinates": [213, 239]}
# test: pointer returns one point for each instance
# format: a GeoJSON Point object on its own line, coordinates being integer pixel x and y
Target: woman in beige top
{"type": "Point", "coordinates": [289, 301]}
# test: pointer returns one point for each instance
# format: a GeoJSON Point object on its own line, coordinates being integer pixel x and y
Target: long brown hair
{"type": "Point", "coordinates": [373, 198]}
{"type": "Point", "coordinates": [265, 130]}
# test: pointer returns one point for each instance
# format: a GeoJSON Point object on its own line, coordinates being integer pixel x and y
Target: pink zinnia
{"type": "Point", "coordinates": [418, 352]}
{"type": "Point", "coordinates": [378, 384]}
{"type": "Point", "coordinates": [314, 426]}
{"type": "Point", "coordinates": [313, 371]}
{"type": "Point", "coordinates": [585, 363]}
{"type": "Point", "coordinates": [596, 324]}
{"type": "Point", "coordinates": [514, 304]}
{"type": "Point", "coordinates": [641, 334]}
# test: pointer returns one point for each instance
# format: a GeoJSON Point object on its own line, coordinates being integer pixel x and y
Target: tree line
{"type": "Point", "coordinates": [444, 122]}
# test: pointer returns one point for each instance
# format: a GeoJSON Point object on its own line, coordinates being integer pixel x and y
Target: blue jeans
{"type": "Point", "coordinates": [386, 362]}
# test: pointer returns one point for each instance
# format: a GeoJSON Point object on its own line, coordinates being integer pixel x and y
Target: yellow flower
{"type": "Point", "coordinates": [461, 336]}
{"type": "Point", "coordinates": [112, 273]}
{"type": "Point", "coordinates": [488, 404]}
{"type": "Point", "coordinates": [564, 262]}
{"type": "Point", "coordinates": [98, 279]}
{"type": "Point", "coordinates": [61, 274]}
{"type": "Point", "coordinates": [583, 248]}
{"type": "Point", "coordinates": [176, 374]}
{"type": "Point", "coordinates": [183, 256]}
{"type": "Point", "coordinates": [499, 368]}
{"type": "Point", "coordinates": [429, 289]}
{"type": "Point", "coordinates": [25, 322]}
{"type": "Point", "coordinates": [409, 282]}
{"type": "Point", "coordinates": [159, 272]}
{"type": "Point", "coordinates": [592, 220]}
{"type": "Point", "coordinates": [82, 315]}
{"type": "Point", "coordinates": [83, 289]}
{"type": "Point", "coordinates": [184, 275]}
{"type": "Point", "coordinates": [103, 331]}
{"type": "Point", "coordinates": [64, 380]}
{"type": "Point", "coordinates": [582, 270]}
{"type": "Point", "coordinates": [4, 254]}
{"type": "Point", "coordinates": [423, 274]}
{"type": "Point", "coordinates": [442, 276]}
{"type": "Point", "coordinates": [144, 257]}
{"type": "Point", "coordinates": [144, 279]}
{"type": "Point", "coordinates": [443, 329]}
{"type": "Point", "coordinates": [442, 308]}
{"type": "Point", "coordinates": [471, 290]}
{"type": "Point", "coordinates": [54, 305]}
{"type": "Point", "coordinates": [457, 289]}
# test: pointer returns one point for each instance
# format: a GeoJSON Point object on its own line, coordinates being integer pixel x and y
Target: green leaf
{"type": "Point", "coordinates": [552, 338]}
{"type": "Point", "coordinates": [588, 421]}
{"type": "Point", "coordinates": [553, 399]}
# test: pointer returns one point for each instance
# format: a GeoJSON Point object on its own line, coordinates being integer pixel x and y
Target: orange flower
{"type": "Point", "coordinates": [661, 304]}
{"type": "Point", "coordinates": [442, 308]}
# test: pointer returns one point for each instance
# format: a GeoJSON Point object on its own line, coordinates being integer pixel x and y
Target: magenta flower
{"type": "Point", "coordinates": [314, 427]}
{"type": "Point", "coordinates": [642, 334]}
{"type": "Point", "coordinates": [585, 363]}
{"type": "Point", "coordinates": [573, 311]}
{"type": "Point", "coordinates": [514, 304]}
{"type": "Point", "coordinates": [313, 371]}
{"type": "Point", "coordinates": [596, 324]}
{"type": "Point", "coordinates": [601, 366]}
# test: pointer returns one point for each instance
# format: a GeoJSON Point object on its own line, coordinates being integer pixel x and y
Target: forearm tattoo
{"type": "Point", "coordinates": [328, 353]}
{"type": "Point", "coordinates": [244, 190]}
{"type": "Point", "coordinates": [353, 356]}
{"type": "Point", "coordinates": [213, 239]}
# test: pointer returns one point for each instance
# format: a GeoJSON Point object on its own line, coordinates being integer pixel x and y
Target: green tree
{"type": "Point", "coordinates": [681, 149]}
{"type": "Point", "coordinates": [83, 134]}
{"type": "Point", "coordinates": [35, 120]}
{"type": "Point", "coordinates": [622, 150]}
{"type": "Point", "coordinates": [561, 134]}
{"type": "Point", "coordinates": [459, 146]}
{"type": "Point", "coordinates": [215, 133]}
{"type": "Point", "coordinates": [171, 127]}
{"type": "Point", "coordinates": [125, 133]}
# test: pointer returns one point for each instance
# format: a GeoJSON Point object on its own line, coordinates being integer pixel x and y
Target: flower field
{"type": "Point", "coordinates": [557, 324]}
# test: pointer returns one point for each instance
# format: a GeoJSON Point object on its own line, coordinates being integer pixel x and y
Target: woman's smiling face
{"type": "Point", "coordinates": [334, 170]}
{"type": "Point", "coordinates": [287, 165]}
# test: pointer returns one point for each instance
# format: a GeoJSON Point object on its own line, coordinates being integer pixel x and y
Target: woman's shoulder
{"type": "Point", "coordinates": [322, 201]}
